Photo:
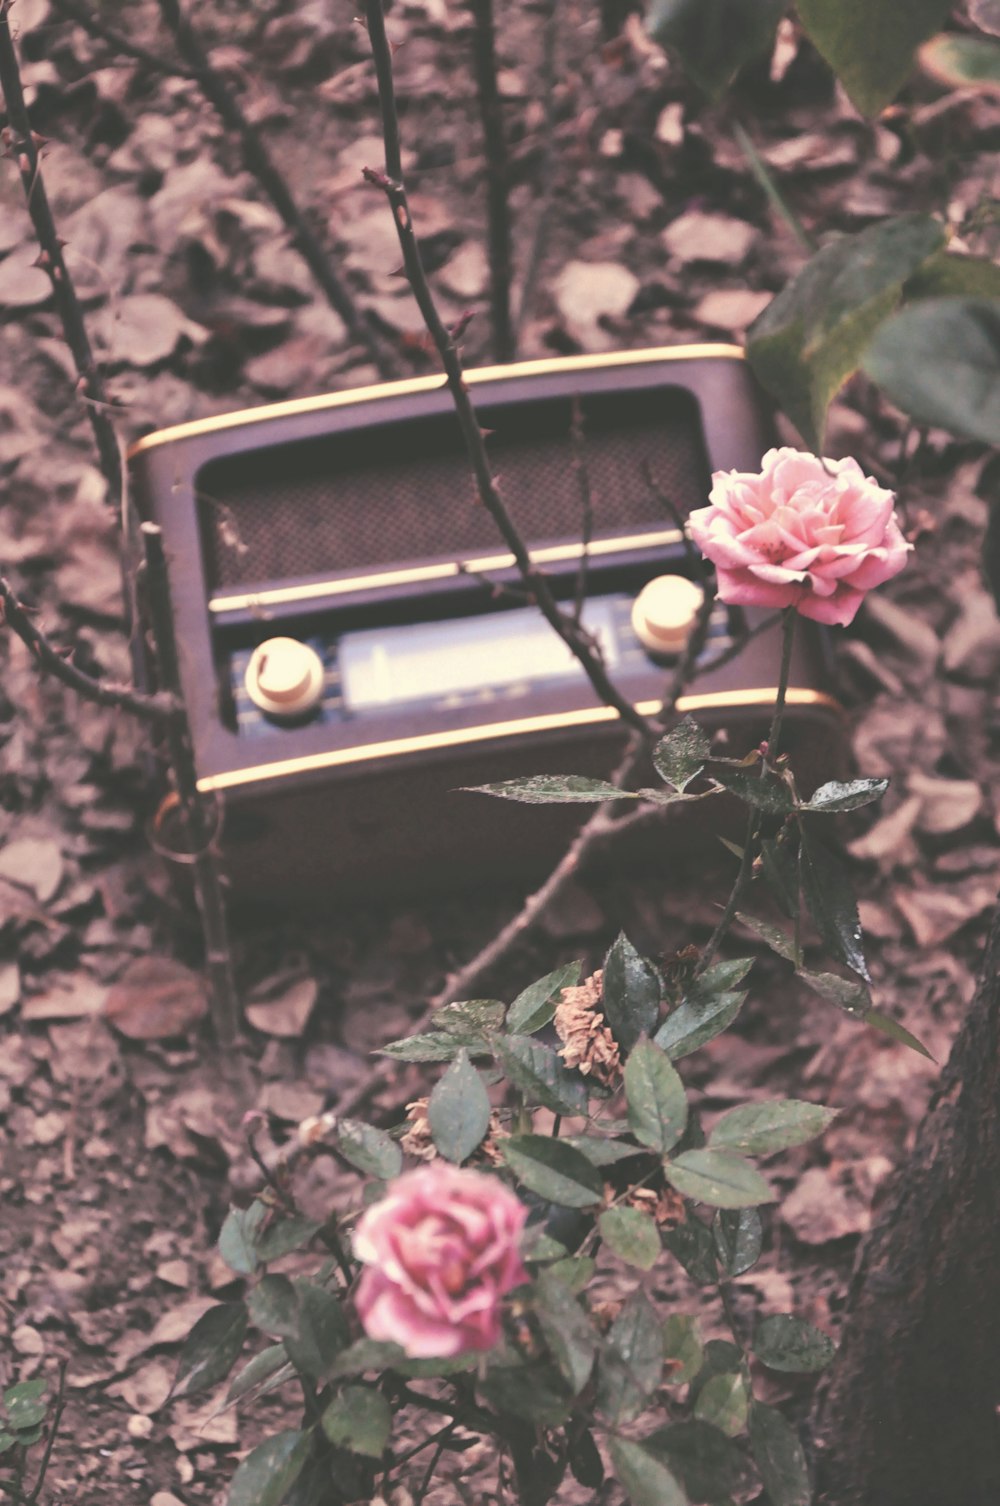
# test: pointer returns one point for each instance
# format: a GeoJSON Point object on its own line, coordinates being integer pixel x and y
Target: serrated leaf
{"type": "Point", "coordinates": [654, 1093]}
{"type": "Point", "coordinates": [779, 1457]}
{"type": "Point", "coordinates": [569, 1333]}
{"type": "Point", "coordinates": [785, 1342]}
{"type": "Point", "coordinates": [458, 1111]}
{"type": "Point", "coordinates": [680, 756]}
{"type": "Point", "coordinates": [850, 994]}
{"type": "Point", "coordinates": [322, 1330]}
{"type": "Point", "coordinates": [553, 1170]}
{"type": "Point", "coordinates": [470, 1018]}
{"type": "Point", "coordinates": [939, 360]}
{"type": "Point", "coordinates": [211, 1349]}
{"type": "Point", "coordinates": [718, 1178]}
{"type": "Point", "coordinates": [775, 939]}
{"type": "Point", "coordinates": [694, 1023]}
{"type": "Point", "coordinates": [814, 334]}
{"type": "Point", "coordinates": [631, 993]}
{"type": "Point", "coordinates": [238, 1238]}
{"type": "Point", "coordinates": [708, 1465]}
{"type": "Point", "coordinates": [888, 1026]}
{"type": "Point", "coordinates": [274, 1307]}
{"type": "Point", "coordinates": [723, 1402]}
{"type": "Point", "coordinates": [870, 44]}
{"type": "Point", "coordinates": [682, 1349]}
{"type": "Point", "coordinates": [631, 1235]}
{"type": "Point", "coordinates": [541, 1075]}
{"type": "Point", "coordinates": [270, 1470]}
{"type": "Point", "coordinates": [781, 874]}
{"type": "Point", "coordinates": [714, 38]}
{"type": "Point", "coordinates": [830, 898]}
{"type": "Point", "coordinates": [369, 1149]}
{"type": "Point", "coordinates": [849, 796]}
{"type": "Point", "coordinates": [646, 1479]}
{"type": "Point", "coordinates": [766, 793]}
{"type": "Point", "coordinates": [263, 1367]}
{"type": "Point", "coordinates": [630, 1366]}
{"type": "Point", "coordinates": [536, 1004]}
{"type": "Point", "coordinates": [553, 789]}
{"type": "Point", "coordinates": [359, 1419]}
{"type": "Point", "coordinates": [692, 1245]}
{"type": "Point", "coordinates": [739, 1239]}
{"type": "Point", "coordinates": [760, 1129]}
{"type": "Point", "coordinates": [431, 1046]}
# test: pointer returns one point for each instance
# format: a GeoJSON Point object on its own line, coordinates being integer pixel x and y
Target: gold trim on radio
{"type": "Point", "coordinates": [585, 716]}
{"type": "Point", "coordinates": [412, 385]}
{"type": "Point", "coordinates": [656, 539]}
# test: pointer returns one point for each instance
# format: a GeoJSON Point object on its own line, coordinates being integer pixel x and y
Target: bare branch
{"type": "Point", "coordinates": [495, 147]}
{"type": "Point", "coordinates": [76, 10]}
{"type": "Point", "coordinates": [548, 175]}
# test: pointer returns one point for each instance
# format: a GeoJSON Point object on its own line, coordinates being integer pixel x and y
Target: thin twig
{"type": "Point", "coordinates": [159, 707]}
{"type": "Point", "coordinates": [769, 184]}
{"type": "Point", "coordinates": [497, 177]}
{"type": "Point", "coordinates": [23, 147]}
{"type": "Point", "coordinates": [391, 183]}
{"type": "Point", "coordinates": [272, 180]}
{"type": "Point", "coordinates": [57, 1412]}
{"type": "Point", "coordinates": [440, 1447]}
{"type": "Point", "coordinates": [547, 173]}
{"type": "Point", "coordinates": [85, 17]}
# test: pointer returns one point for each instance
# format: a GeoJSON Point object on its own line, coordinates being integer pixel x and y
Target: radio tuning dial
{"type": "Point", "coordinates": [664, 613]}
{"type": "Point", "coordinates": [285, 677]}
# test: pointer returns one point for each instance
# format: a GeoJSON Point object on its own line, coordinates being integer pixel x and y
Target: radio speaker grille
{"type": "Point", "coordinates": [378, 496]}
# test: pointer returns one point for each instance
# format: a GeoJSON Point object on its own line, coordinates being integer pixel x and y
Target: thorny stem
{"type": "Point", "coordinates": [392, 185]}
{"type": "Point", "coordinates": [57, 1411]}
{"type": "Point", "coordinates": [754, 817]}
{"type": "Point", "coordinates": [495, 147]}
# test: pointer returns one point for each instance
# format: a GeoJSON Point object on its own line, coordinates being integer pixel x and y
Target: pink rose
{"type": "Point", "coordinates": [441, 1250]}
{"type": "Point", "coordinates": [806, 533]}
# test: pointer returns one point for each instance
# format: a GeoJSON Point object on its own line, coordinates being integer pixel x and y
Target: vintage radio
{"type": "Point", "coordinates": [353, 647]}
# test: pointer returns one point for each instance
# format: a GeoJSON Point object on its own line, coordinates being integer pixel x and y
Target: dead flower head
{"type": "Point", "coordinates": [587, 1042]}
{"type": "Point", "coordinates": [417, 1140]}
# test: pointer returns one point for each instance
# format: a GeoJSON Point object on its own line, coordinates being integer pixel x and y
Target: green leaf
{"type": "Point", "coordinates": [631, 1235]}
{"type": "Point", "coordinates": [897, 1032]}
{"type": "Point", "coordinates": [718, 1178]}
{"type": "Point", "coordinates": [359, 1419]}
{"type": "Point", "coordinates": [584, 1459]}
{"type": "Point", "coordinates": [265, 1366]}
{"type": "Point", "coordinates": [723, 1401]}
{"type": "Point", "coordinates": [369, 1149]}
{"type": "Point", "coordinates": [576, 1272]}
{"type": "Point", "coordinates": [708, 1465]}
{"type": "Point", "coordinates": [270, 1470]}
{"type": "Point", "coordinates": [7, 1442]}
{"type": "Point", "coordinates": [718, 978]}
{"type": "Point", "coordinates": [365, 1355]}
{"type": "Point", "coordinates": [458, 1111]}
{"type": "Point", "coordinates": [553, 1170]}
{"type": "Point", "coordinates": [238, 1238]}
{"type": "Point", "coordinates": [781, 874]}
{"type": "Point", "coordinates": [536, 1004]}
{"type": "Point", "coordinates": [695, 1023]}
{"type": "Point", "coordinates": [322, 1331]}
{"type": "Point", "coordinates": [211, 1348]}
{"type": "Point", "coordinates": [814, 334]}
{"type": "Point", "coordinates": [714, 38]}
{"type": "Point", "coordinates": [779, 1456]}
{"type": "Point", "coordinates": [553, 789]}
{"type": "Point", "coordinates": [540, 1074]}
{"type": "Point", "coordinates": [24, 1404]}
{"type": "Point", "coordinates": [764, 794]}
{"type": "Point", "coordinates": [739, 1239]}
{"type": "Point", "coordinates": [657, 1105]}
{"type": "Point", "coordinates": [536, 1393]}
{"type": "Point", "coordinates": [601, 1151]}
{"type": "Point", "coordinates": [962, 61]}
{"type": "Point", "coordinates": [870, 44]}
{"type": "Point", "coordinates": [836, 796]}
{"type": "Point", "coordinates": [571, 1337]}
{"type": "Point", "coordinates": [630, 1367]}
{"type": "Point", "coordinates": [631, 993]}
{"type": "Point", "coordinates": [286, 1233]}
{"type": "Point", "coordinates": [775, 939]}
{"type": "Point", "coordinates": [950, 275]}
{"type": "Point", "coordinates": [830, 898]}
{"type": "Point", "coordinates": [849, 994]}
{"type": "Point", "coordinates": [682, 1349]}
{"type": "Point", "coordinates": [469, 1019]}
{"type": "Point", "coordinates": [680, 756]}
{"type": "Point", "coordinates": [274, 1307]}
{"type": "Point", "coordinates": [939, 361]}
{"type": "Point", "coordinates": [646, 1479]}
{"type": "Point", "coordinates": [785, 1342]}
{"type": "Point", "coordinates": [691, 1244]}
{"type": "Point", "coordinates": [760, 1129]}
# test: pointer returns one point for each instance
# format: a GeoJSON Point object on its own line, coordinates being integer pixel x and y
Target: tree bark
{"type": "Point", "coordinates": [911, 1414]}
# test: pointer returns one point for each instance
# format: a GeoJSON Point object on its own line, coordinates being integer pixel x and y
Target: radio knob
{"type": "Point", "coordinates": [664, 613]}
{"type": "Point", "coordinates": [285, 677]}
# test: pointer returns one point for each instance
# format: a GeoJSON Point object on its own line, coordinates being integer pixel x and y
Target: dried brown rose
{"type": "Point", "coordinates": [587, 1042]}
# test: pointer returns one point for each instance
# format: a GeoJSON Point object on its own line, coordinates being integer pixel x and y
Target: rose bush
{"type": "Point", "coordinates": [441, 1251]}
{"type": "Point", "coordinates": [807, 533]}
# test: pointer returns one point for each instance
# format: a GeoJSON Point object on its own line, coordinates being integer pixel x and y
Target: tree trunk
{"type": "Point", "coordinates": [910, 1417]}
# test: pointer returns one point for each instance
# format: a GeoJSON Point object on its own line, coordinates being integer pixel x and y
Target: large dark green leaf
{"type": "Point", "coordinates": [322, 1330]}
{"type": "Point", "coordinates": [695, 1022]}
{"type": "Point", "coordinates": [718, 1178]}
{"type": "Point", "coordinates": [760, 1129]}
{"type": "Point", "coordinates": [553, 1170]}
{"type": "Point", "coordinates": [837, 796]}
{"type": "Point", "coordinates": [631, 1235]}
{"type": "Point", "coordinates": [270, 1470]}
{"type": "Point", "coordinates": [359, 1419]}
{"type": "Point", "coordinates": [469, 1019]}
{"type": "Point", "coordinates": [274, 1307]}
{"type": "Point", "coordinates": [775, 939]}
{"type": "Point", "coordinates": [631, 999]}
{"type": "Point", "coordinates": [739, 1239]}
{"type": "Point", "coordinates": [830, 898]}
{"type": "Point", "coordinates": [691, 1244]}
{"type": "Point", "coordinates": [849, 994]}
{"type": "Point", "coordinates": [963, 62]}
{"type": "Point", "coordinates": [814, 334]}
{"type": "Point", "coordinates": [779, 1456]}
{"type": "Point", "coordinates": [870, 44]}
{"type": "Point", "coordinates": [646, 1479]}
{"type": "Point", "coordinates": [287, 1232]}
{"type": "Point", "coordinates": [25, 1404]}
{"type": "Point", "coordinates": [654, 1093]}
{"type": "Point", "coordinates": [630, 1367]}
{"type": "Point", "coordinates": [765, 794]}
{"type": "Point", "coordinates": [708, 1465]}
{"type": "Point", "coordinates": [431, 1046]}
{"type": "Point", "coordinates": [266, 1366]}
{"type": "Point", "coordinates": [536, 1392]}
{"type": "Point", "coordinates": [680, 756]}
{"type": "Point", "coordinates": [238, 1238]}
{"type": "Point", "coordinates": [211, 1348]}
{"type": "Point", "coordinates": [714, 38]}
{"type": "Point", "coordinates": [723, 1401]}
{"type": "Point", "coordinates": [540, 1074]}
{"type": "Point", "coordinates": [554, 789]}
{"type": "Point", "coordinates": [939, 360]}
{"type": "Point", "coordinates": [682, 1349]}
{"type": "Point", "coordinates": [569, 1333]}
{"type": "Point", "coordinates": [536, 1004]}
{"type": "Point", "coordinates": [717, 979]}
{"type": "Point", "coordinates": [458, 1110]}
{"type": "Point", "coordinates": [780, 869]}
{"type": "Point", "coordinates": [785, 1342]}
{"type": "Point", "coordinates": [370, 1149]}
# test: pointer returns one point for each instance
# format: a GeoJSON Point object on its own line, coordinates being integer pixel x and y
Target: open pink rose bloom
{"type": "Point", "coordinates": [805, 533]}
{"type": "Point", "coordinates": [441, 1251]}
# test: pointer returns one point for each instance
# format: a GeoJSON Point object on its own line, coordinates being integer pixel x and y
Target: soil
{"type": "Point", "coordinates": [122, 1153]}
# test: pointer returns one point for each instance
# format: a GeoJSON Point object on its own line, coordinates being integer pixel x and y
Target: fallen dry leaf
{"type": "Point", "coordinates": [34, 863]}
{"type": "Point", "coordinates": [935, 914]}
{"type": "Point", "coordinates": [819, 1209]}
{"type": "Point", "coordinates": [73, 998]}
{"type": "Point", "coordinates": [284, 1013]}
{"type": "Point", "coordinates": [155, 999]}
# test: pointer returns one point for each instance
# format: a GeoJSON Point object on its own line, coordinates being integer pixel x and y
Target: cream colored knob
{"type": "Point", "coordinates": [285, 677]}
{"type": "Point", "coordinates": [664, 613]}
